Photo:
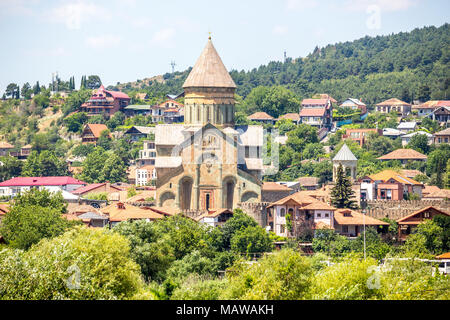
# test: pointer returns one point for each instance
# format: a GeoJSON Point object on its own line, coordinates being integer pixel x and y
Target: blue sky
{"type": "Point", "coordinates": [126, 40]}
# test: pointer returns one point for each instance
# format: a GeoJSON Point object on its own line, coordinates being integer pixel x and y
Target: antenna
{"type": "Point", "coordinates": [173, 64]}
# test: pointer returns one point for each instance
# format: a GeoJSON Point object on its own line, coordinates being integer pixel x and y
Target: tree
{"type": "Point", "coordinates": [26, 91]}
{"type": "Point", "coordinates": [114, 169]}
{"type": "Point", "coordinates": [11, 90]}
{"type": "Point", "coordinates": [82, 264]}
{"type": "Point", "coordinates": [239, 221]}
{"type": "Point", "coordinates": [419, 142]}
{"type": "Point", "coordinates": [301, 136]}
{"type": "Point", "coordinates": [93, 166]}
{"type": "Point", "coordinates": [93, 82]}
{"type": "Point", "coordinates": [36, 88]}
{"type": "Point", "coordinates": [76, 121]}
{"type": "Point", "coordinates": [331, 243]}
{"type": "Point", "coordinates": [41, 198]}
{"type": "Point", "coordinates": [342, 193]}
{"type": "Point", "coordinates": [104, 141]}
{"type": "Point", "coordinates": [12, 167]}
{"type": "Point", "coordinates": [44, 163]}
{"type": "Point", "coordinates": [252, 239]}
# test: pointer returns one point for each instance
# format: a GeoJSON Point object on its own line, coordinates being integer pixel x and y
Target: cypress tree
{"type": "Point", "coordinates": [342, 193]}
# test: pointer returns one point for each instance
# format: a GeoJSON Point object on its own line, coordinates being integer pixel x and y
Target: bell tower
{"type": "Point", "coordinates": [209, 91]}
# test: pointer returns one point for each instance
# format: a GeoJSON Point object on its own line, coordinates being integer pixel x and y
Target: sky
{"type": "Point", "coordinates": [126, 40]}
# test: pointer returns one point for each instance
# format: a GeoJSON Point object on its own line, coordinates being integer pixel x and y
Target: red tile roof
{"type": "Point", "coordinates": [97, 128]}
{"type": "Point", "coordinates": [443, 103]}
{"type": "Point", "coordinates": [312, 112]}
{"type": "Point", "coordinates": [315, 101]}
{"type": "Point", "coordinates": [5, 145]}
{"type": "Point", "coordinates": [403, 154]}
{"type": "Point", "coordinates": [290, 116]}
{"type": "Point", "coordinates": [40, 181]}
{"type": "Point", "coordinates": [90, 187]}
{"type": "Point", "coordinates": [260, 116]}
{"type": "Point", "coordinates": [393, 102]}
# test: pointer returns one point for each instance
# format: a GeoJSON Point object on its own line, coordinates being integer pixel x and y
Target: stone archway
{"type": "Point", "coordinates": [167, 199]}
{"type": "Point", "coordinates": [228, 189]}
{"type": "Point", "coordinates": [186, 184]}
{"type": "Point", "coordinates": [249, 196]}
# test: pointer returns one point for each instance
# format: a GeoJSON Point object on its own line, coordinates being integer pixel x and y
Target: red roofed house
{"type": "Point", "coordinates": [360, 135]}
{"type": "Point", "coordinates": [14, 186]}
{"type": "Point", "coordinates": [407, 224]}
{"type": "Point", "coordinates": [104, 187]}
{"type": "Point", "coordinates": [5, 148]}
{"type": "Point", "coordinates": [92, 132]}
{"type": "Point", "coordinates": [295, 117]}
{"type": "Point", "coordinates": [442, 136]}
{"type": "Point", "coordinates": [350, 223]}
{"type": "Point", "coordinates": [404, 156]}
{"type": "Point", "coordinates": [317, 112]}
{"type": "Point", "coordinates": [105, 102]}
{"type": "Point", "coordinates": [262, 117]}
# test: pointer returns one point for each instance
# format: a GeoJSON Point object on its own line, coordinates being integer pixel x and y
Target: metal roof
{"type": "Point", "coordinates": [345, 154]}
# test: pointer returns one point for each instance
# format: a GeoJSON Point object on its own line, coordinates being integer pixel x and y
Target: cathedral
{"type": "Point", "coordinates": [208, 163]}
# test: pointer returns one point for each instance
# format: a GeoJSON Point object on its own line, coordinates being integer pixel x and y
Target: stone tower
{"type": "Point", "coordinates": [348, 160]}
{"type": "Point", "coordinates": [209, 91]}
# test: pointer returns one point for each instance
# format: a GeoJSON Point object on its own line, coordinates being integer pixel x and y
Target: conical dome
{"type": "Point", "coordinates": [345, 154]}
{"type": "Point", "coordinates": [209, 71]}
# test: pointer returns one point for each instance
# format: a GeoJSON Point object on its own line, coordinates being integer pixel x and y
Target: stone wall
{"type": "Point", "coordinates": [256, 210]}
{"type": "Point", "coordinates": [398, 209]}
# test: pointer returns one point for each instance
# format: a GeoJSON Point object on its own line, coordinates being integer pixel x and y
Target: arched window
{"type": "Point", "coordinates": [282, 212]}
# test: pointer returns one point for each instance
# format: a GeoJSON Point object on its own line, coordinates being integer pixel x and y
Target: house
{"type": "Point", "coordinates": [92, 132]}
{"type": "Point", "coordinates": [360, 135]}
{"type": "Point", "coordinates": [407, 137]}
{"type": "Point", "coordinates": [425, 108]}
{"type": "Point", "coordinates": [407, 127]}
{"type": "Point", "coordinates": [294, 117]}
{"type": "Point", "coordinates": [317, 112]}
{"type": "Point", "coordinates": [407, 224]}
{"type": "Point", "coordinates": [308, 183]}
{"type": "Point", "coordinates": [442, 136]}
{"type": "Point", "coordinates": [5, 148]}
{"type": "Point", "coordinates": [147, 155]}
{"type": "Point", "coordinates": [120, 211]}
{"type": "Point", "coordinates": [14, 186]}
{"type": "Point", "coordinates": [351, 223]}
{"type": "Point", "coordinates": [435, 193]}
{"type": "Point", "coordinates": [105, 102]}
{"type": "Point", "coordinates": [174, 115]}
{"type": "Point", "coordinates": [306, 214]}
{"type": "Point", "coordinates": [272, 191]}
{"type": "Point", "coordinates": [138, 132]}
{"type": "Point", "coordinates": [404, 156]}
{"type": "Point", "coordinates": [354, 104]}
{"type": "Point", "coordinates": [91, 219]}
{"type": "Point", "coordinates": [394, 104]}
{"type": "Point", "coordinates": [409, 173]}
{"type": "Point", "coordinates": [389, 185]}
{"type": "Point", "coordinates": [261, 117]}
{"type": "Point", "coordinates": [392, 133]}
{"type": "Point", "coordinates": [215, 218]}
{"type": "Point", "coordinates": [137, 109]}
{"type": "Point", "coordinates": [441, 114]}
{"type": "Point", "coordinates": [95, 188]}
{"type": "Point", "coordinates": [145, 175]}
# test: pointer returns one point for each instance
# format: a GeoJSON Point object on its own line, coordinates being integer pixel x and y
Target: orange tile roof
{"type": "Point", "coordinates": [290, 116]}
{"type": "Point", "coordinates": [129, 212]}
{"type": "Point", "coordinates": [308, 181]}
{"type": "Point", "coordinates": [321, 225]}
{"type": "Point", "coordinates": [97, 128]}
{"type": "Point", "coordinates": [5, 145]}
{"type": "Point", "coordinates": [303, 199]}
{"type": "Point", "coordinates": [410, 173]}
{"type": "Point", "coordinates": [444, 256]}
{"type": "Point", "coordinates": [4, 208]}
{"type": "Point", "coordinates": [393, 102]}
{"type": "Point", "coordinates": [386, 175]}
{"type": "Point", "coordinates": [273, 186]}
{"type": "Point", "coordinates": [260, 116]}
{"type": "Point", "coordinates": [312, 112]}
{"type": "Point", "coordinates": [445, 132]}
{"type": "Point", "coordinates": [356, 218]}
{"type": "Point", "coordinates": [403, 154]}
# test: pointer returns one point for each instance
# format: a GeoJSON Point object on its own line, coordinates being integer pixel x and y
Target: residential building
{"type": "Point", "coordinates": [118, 212]}
{"type": "Point", "coordinates": [425, 108]}
{"type": "Point", "coordinates": [137, 109]}
{"type": "Point", "coordinates": [215, 218]}
{"type": "Point", "coordinates": [138, 132]}
{"type": "Point", "coordinates": [208, 162]}
{"type": "Point", "coordinates": [317, 113]}
{"type": "Point", "coordinates": [406, 225]}
{"type": "Point", "coordinates": [308, 183]}
{"type": "Point", "coordinates": [261, 117]}
{"type": "Point", "coordinates": [404, 156]}
{"type": "Point", "coordinates": [14, 186]}
{"type": "Point", "coordinates": [410, 173]}
{"type": "Point", "coordinates": [389, 185]}
{"type": "Point", "coordinates": [407, 127]}
{"type": "Point", "coordinates": [350, 223]}
{"type": "Point", "coordinates": [442, 115]}
{"type": "Point", "coordinates": [435, 193]}
{"type": "Point", "coordinates": [147, 156]}
{"type": "Point", "coordinates": [5, 148]}
{"type": "Point", "coordinates": [392, 133]}
{"type": "Point", "coordinates": [96, 188]}
{"type": "Point", "coordinates": [174, 115]}
{"type": "Point", "coordinates": [92, 132]}
{"type": "Point", "coordinates": [272, 191]}
{"type": "Point", "coordinates": [394, 104]}
{"type": "Point", "coordinates": [407, 137]}
{"type": "Point", "coordinates": [294, 117]}
{"type": "Point", "coordinates": [354, 104]}
{"type": "Point", "coordinates": [306, 214]}
{"type": "Point", "coordinates": [442, 136]}
{"type": "Point", "coordinates": [360, 135]}
{"type": "Point", "coordinates": [145, 175]}
{"type": "Point", "coordinates": [105, 102]}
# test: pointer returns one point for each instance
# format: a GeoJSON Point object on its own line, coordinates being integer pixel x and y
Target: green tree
{"type": "Point", "coordinates": [252, 239]}
{"type": "Point", "coordinates": [419, 142]}
{"type": "Point", "coordinates": [76, 121]}
{"type": "Point", "coordinates": [342, 193]}
{"type": "Point", "coordinates": [93, 166]}
{"type": "Point", "coordinates": [12, 167]}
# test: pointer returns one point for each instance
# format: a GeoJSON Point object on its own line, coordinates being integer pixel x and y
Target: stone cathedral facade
{"type": "Point", "coordinates": [208, 163]}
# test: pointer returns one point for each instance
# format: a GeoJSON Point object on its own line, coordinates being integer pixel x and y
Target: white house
{"type": "Point", "coordinates": [145, 174]}
{"type": "Point", "coordinates": [407, 126]}
{"type": "Point", "coordinates": [215, 218]}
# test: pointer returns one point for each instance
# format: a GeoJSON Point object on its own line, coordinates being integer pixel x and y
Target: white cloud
{"type": "Point", "coordinates": [300, 5]}
{"type": "Point", "coordinates": [103, 41]}
{"type": "Point", "coordinates": [75, 13]}
{"type": "Point", "coordinates": [18, 7]}
{"type": "Point", "coordinates": [384, 5]}
{"type": "Point", "coordinates": [164, 35]}
{"type": "Point", "coordinates": [280, 30]}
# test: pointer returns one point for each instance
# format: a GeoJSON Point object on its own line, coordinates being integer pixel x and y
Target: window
{"type": "Point", "coordinates": [327, 215]}
{"type": "Point", "coordinates": [319, 215]}
{"type": "Point", "coordinates": [426, 214]}
{"type": "Point", "coordinates": [344, 229]}
{"type": "Point", "coordinates": [282, 212]}
{"type": "Point", "coordinates": [282, 228]}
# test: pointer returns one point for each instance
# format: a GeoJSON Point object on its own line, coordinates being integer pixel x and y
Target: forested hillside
{"type": "Point", "coordinates": [410, 66]}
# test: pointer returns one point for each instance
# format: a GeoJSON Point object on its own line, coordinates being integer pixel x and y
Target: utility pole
{"type": "Point", "coordinates": [173, 66]}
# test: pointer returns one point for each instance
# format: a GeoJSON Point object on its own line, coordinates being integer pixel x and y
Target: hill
{"type": "Point", "coordinates": [408, 65]}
